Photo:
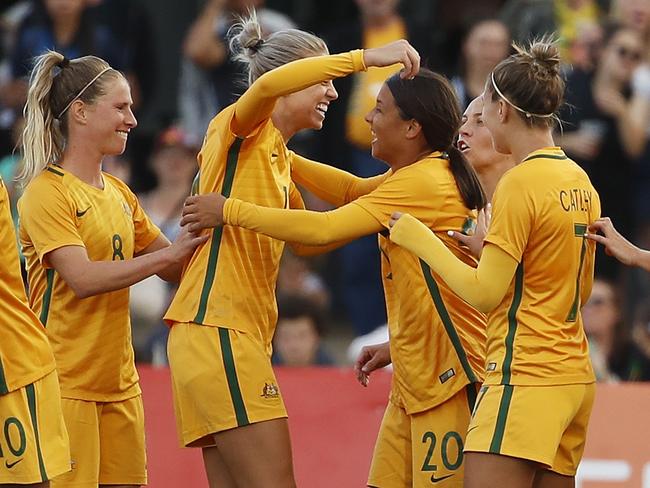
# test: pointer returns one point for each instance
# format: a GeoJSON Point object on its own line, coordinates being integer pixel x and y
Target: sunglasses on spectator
{"type": "Point", "coordinates": [631, 54]}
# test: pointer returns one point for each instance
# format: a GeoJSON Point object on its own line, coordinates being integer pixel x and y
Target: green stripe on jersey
{"type": "Point", "coordinates": [4, 389]}
{"type": "Point", "coordinates": [231, 376]}
{"type": "Point", "coordinates": [546, 156]}
{"type": "Point", "coordinates": [215, 242]}
{"type": "Point", "coordinates": [446, 321]}
{"type": "Point", "coordinates": [47, 296]}
{"type": "Point", "coordinates": [512, 324]}
{"type": "Point", "coordinates": [52, 170]}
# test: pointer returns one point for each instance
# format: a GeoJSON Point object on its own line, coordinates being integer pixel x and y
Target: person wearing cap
{"type": "Point", "coordinates": [86, 239]}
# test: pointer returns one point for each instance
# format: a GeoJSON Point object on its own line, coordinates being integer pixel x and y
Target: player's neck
{"type": "Point", "coordinates": [490, 175]}
{"type": "Point", "coordinates": [84, 164]}
{"type": "Point", "coordinates": [526, 141]}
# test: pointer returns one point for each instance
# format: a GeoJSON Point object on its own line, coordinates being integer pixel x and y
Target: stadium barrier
{"type": "Point", "coordinates": [334, 422]}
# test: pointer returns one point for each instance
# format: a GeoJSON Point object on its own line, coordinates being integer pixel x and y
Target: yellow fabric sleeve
{"type": "Point", "coordinates": [483, 287]}
{"type": "Point", "coordinates": [257, 103]}
{"type": "Point", "coordinates": [303, 226]}
{"type": "Point", "coordinates": [331, 184]}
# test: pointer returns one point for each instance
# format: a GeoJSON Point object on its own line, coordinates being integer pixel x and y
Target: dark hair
{"type": "Point", "coordinates": [294, 306]}
{"type": "Point", "coordinates": [430, 99]}
{"type": "Point", "coordinates": [531, 80]}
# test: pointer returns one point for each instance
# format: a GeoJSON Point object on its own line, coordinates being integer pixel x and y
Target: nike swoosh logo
{"type": "Point", "coordinates": [436, 480]}
{"type": "Point", "coordinates": [82, 213]}
{"type": "Point", "coordinates": [11, 465]}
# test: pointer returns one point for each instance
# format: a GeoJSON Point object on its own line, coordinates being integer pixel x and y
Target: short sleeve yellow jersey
{"type": "Point", "coordinates": [25, 354]}
{"type": "Point", "coordinates": [437, 340]}
{"type": "Point", "coordinates": [91, 337]}
{"type": "Point", "coordinates": [542, 208]}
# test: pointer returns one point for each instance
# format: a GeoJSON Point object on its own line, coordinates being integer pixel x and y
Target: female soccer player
{"type": "Point", "coordinates": [34, 445]}
{"type": "Point", "coordinates": [223, 316]}
{"type": "Point", "coordinates": [80, 229]}
{"type": "Point", "coordinates": [535, 271]}
{"type": "Point", "coordinates": [436, 340]}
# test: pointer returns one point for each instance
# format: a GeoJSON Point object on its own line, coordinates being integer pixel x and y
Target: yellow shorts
{"type": "Point", "coordinates": [424, 448]}
{"type": "Point", "coordinates": [106, 443]}
{"type": "Point", "coordinates": [221, 379]}
{"type": "Point", "coordinates": [33, 439]}
{"type": "Point", "coordinates": [546, 424]}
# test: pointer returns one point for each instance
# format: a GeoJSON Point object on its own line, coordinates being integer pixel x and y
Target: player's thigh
{"type": "Point", "coordinates": [258, 454]}
{"type": "Point", "coordinates": [216, 469]}
{"type": "Point", "coordinates": [485, 470]}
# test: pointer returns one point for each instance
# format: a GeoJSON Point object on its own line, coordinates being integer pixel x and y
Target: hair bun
{"type": "Point", "coordinates": [545, 54]}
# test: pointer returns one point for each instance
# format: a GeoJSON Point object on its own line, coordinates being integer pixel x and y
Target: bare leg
{"type": "Point", "coordinates": [218, 474]}
{"type": "Point", "coordinates": [483, 470]}
{"type": "Point", "coordinates": [259, 453]}
{"type": "Point", "coordinates": [44, 484]}
{"type": "Point", "coordinates": [549, 479]}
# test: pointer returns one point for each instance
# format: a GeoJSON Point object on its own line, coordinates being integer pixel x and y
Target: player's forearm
{"type": "Point", "coordinates": [331, 184]}
{"type": "Point", "coordinates": [301, 226]}
{"type": "Point", "coordinates": [483, 287]}
{"type": "Point", "coordinates": [641, 259]}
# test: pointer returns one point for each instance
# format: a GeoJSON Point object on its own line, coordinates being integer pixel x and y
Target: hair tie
{"type": "Point", "coordinates": [258, 44]}
{"type": "Point", "coordinates": [64, 63]}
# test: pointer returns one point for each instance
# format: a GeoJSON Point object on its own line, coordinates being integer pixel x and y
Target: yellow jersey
{"type": "Point", "coordinates": [542, 208]}
{"type": "Point", "coordinates": [91, 337]}
{"type": "Point", "coordinates": [230, 280]}
{"type": "Point", "coordinates": [437, 341]}
{"type": "Point", "coordinates": [25, 354]}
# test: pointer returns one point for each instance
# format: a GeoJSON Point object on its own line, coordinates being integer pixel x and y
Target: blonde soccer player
{"type": "Point", "coordinates": [436, 340]}
{"type": "Point", "coordinates": [33, 439]}
{"type": "Point", "coordinates": [223, 316]}
{"type": "Point", "coordinates": [535, 271]}
{"type": "Point", "coordinates": [86, 239]}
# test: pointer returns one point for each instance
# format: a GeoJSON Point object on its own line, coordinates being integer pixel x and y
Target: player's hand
{"type": "Point", "coordinates": [474, 242]}
{"type": "Point", "coordinates": [203, 211]}
{"type": "Point", "coordinates": [615, 244]}
{"type": "Point", "coordinates": [394, 218]}
{"type": "Point", "coordinates": [371, 358]}
{"type": "Point", "coordinates": [395, 52]}
{"type": "Point", "coordinates": [185, 244]}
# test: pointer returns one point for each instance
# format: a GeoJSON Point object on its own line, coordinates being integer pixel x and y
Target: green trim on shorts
{"type": "Point", "coordinates": [502, 417]}
{"type": "Point", "coordinates": [31, 400]}
{"type": "Point", "coordinates": [215, 241]}
{"type": "Point", "coordinates": [231, 375]}
{"type": "Point", "coordinates": [446, 321]}
{"type": "Point", "coordinates": [47, 296]}
{"type": "Point", "coordinates": [512, 324]}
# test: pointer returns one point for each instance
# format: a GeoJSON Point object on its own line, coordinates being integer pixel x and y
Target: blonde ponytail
{"type": "Point", "coordinates": [42, 141]}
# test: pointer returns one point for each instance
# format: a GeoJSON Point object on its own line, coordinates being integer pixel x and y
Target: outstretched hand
{"type": "Point", "coordinates": [474, 242]}
{"type": "Point", "coordinates": [371, 358]}
{"type": "Point", "coordinates": [203, 211]}
{"type": "Point", "coordinates": [395, 52]}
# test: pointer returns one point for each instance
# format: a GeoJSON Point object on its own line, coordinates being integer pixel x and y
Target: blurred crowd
{"type": "Point", "coordinates": [176, 57]}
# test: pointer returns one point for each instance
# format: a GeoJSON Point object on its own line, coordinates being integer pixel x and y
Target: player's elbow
{"type": "Point", "coordinates": [485, 303]}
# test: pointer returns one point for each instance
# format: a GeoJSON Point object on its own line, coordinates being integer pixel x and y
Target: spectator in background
{"type": "Point", "coordinates": [296, 278]}
{"type": "Point", "coordinates": [210, 79]}
{"type": "Point", "coordinates": [66, 26]}
{"type": "Point", "coordinates": [346, 137]}
{"type": "Point", "coordinates": [603, 323]}
{"type": "Point", "coordinates": [638, 353]}
{"type": "Point", "coordinates": [530, 19]}
{"type": "Point", "coordinates": [634, 14]}
{"type": "Point", "coordinates": [174, 165]}
{"type": "Point", "coordinates": [297, 340]}
{"type": "Point", "coordinates": [486, 42]}
{"type": "Point", "coordinates": [607, 116]}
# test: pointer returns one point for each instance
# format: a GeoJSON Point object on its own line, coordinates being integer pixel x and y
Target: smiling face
{"type": "Point", "coordinates": [307, 108]}
{"type": "Point", "coordinates": [387, 127]}
{"type": "Point", "coordinates": [110, 119]}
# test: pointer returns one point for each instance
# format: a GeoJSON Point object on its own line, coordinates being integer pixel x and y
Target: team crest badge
{"type": "Point", "coordinates": [270, 390]}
